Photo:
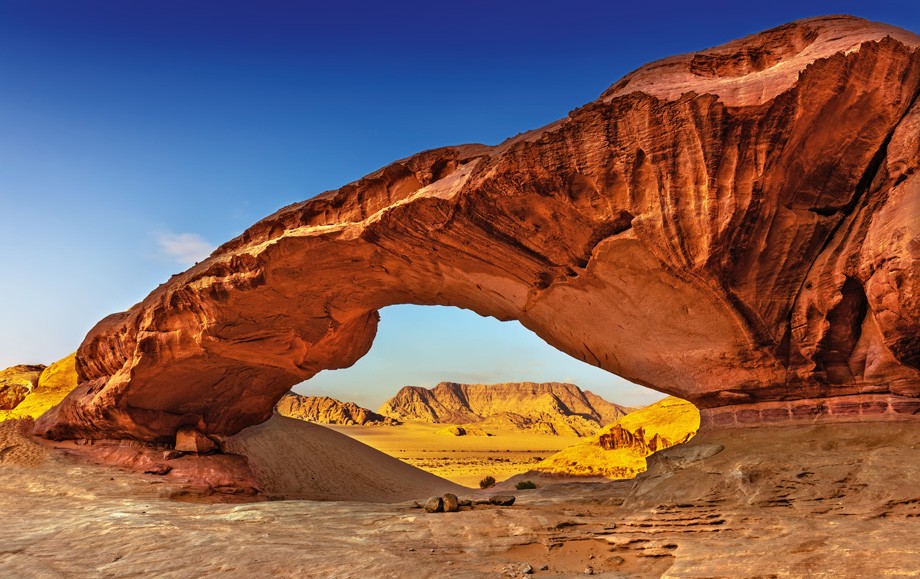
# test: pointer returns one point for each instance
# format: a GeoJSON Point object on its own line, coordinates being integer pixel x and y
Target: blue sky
{"type": "Point", "coordinates": [135, 136]}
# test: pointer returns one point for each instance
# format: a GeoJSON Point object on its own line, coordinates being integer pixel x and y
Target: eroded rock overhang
{"type": "Point", "coordinates": [739, 227]}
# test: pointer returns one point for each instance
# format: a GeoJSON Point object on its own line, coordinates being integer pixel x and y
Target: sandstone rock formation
{"type": "Point", "coordinates": [326, 410]}
{"type": "Point", "coordinates": [16, 383]}
{"type": "Point", "coordinates": [190, 440]}
{"type": "Point", "coordinates": [738, 227]}
{"type": "Point", "coordinates": [48, 386]}
{"type": "Point", "coordinates": [548, 408]}
{"type": "Point", "coordinates": [463, 431]}
{"type": "Point", "coordinates": [619, 450]}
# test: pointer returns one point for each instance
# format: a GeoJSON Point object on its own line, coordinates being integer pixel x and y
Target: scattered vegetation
{"type": "Point", "coordinates": [525, 484]}
{"type": "Point", "coordinates": [487, 482]}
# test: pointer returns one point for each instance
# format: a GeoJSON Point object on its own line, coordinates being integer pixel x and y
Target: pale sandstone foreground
{"type": "Point", "coordinates": [786, 501]}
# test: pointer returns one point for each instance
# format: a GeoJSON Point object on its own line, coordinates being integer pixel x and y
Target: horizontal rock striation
{"type": "Point", "coordinates": [549, 407]}
{"type": "Point", "coordinates": [737, 227]}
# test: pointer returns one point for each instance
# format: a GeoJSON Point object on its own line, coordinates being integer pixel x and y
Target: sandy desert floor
{"type": "Point", "coordinates": [780, 502]}
{"type": "Point", "coordinates": [465, 460]}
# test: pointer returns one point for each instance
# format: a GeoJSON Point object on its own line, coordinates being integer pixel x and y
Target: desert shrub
{"type": "Point", "coordinates": [487, 482]}
{"type": "Point", "coordinates": [525, 484]}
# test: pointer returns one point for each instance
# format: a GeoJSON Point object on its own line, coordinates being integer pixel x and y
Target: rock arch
{"type": "Point", "coordinates": [746, 239]}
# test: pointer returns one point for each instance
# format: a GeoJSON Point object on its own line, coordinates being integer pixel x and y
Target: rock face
{"type": "Point", "coordinates": [54, 383]}
{"type": "Point", "coordinates": [739, 227]}
{"type": "Point", "coordinates": [327, 410]}
{"type": "Point", "coordinates": [550, 407]}
{"type": "Point", "coordinates": [619, 450]}
{"type": "Point", "coordinates": [16, 383]}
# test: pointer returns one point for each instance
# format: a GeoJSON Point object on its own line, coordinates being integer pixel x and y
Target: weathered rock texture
{"type": "Point", "coordinates": [737, 227]}
{"type": "Point", "coordinates": [16, 383]}
{"type": "Point", "coordinates": [36, 388]}
{"type": "Point", "coordinates": [326, 410]}
{"type": "Point", "coordinates": [619, 450]}
{"type": "Point", "coordinates": [549, 407]}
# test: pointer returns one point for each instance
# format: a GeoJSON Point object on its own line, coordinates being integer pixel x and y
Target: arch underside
{"type": "Point", "coordinates": [758, 260]}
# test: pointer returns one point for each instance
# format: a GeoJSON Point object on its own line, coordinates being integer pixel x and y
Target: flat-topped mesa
{"type": "Point", "coordinates": [739, 227]}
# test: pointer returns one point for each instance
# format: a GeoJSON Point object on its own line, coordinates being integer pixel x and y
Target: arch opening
{"type": "Point", "coordinates": [466, 397]}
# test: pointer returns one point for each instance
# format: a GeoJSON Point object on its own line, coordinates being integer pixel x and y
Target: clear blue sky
{"type": "Point", "coordinates": [135, 135]}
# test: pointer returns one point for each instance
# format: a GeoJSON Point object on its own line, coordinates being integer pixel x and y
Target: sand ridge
{"type": "Point", "coordinates": [301, 460]}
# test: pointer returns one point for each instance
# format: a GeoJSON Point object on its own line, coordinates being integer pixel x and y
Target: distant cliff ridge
{"type": "Point", "coordinates": [548, 407]}
{"type": "Point", "coordinates": [327, 410]}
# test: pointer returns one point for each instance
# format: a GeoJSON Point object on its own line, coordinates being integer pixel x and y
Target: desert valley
{"type": "Point", "coordinates": [737, 228]}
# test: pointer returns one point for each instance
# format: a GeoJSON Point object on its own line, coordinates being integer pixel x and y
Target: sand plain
{"type": "Point", "coordinates": [465, 460]}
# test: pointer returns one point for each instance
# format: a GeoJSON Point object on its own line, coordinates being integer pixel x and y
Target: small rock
{"type": "Point", "coordinates": [450, 503]}
{"type": "Point", "coordinates": [450, 562]}
{"type": "Point", "coordinates": [190, 440]}
{"type": "Point", "coordinates": [544, 568]}
{"type": "Point", "coordinates": [158, 469]}
{"type": "Point", "coordinates": [589, 570]}
{"type": "Point", "coordinates": [517, 569]}
{"type": "Point", "coordinates": [171, 454]}
{"type": "Point", "coordinates": [435, 505]}
{"type": "Point", "coordinates": [614, 560]}
{"type": "Point", "coordinates": [412, 549]}
{"type": "Point", "coordinates": [415, 505]}
{"type": "Point", "coordinates": [464, 503]}
{"type": "Point", "coordinates": [502, 500]}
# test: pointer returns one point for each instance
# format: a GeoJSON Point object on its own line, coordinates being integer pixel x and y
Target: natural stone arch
{"type": "Point", "coordinates": [744, 239]}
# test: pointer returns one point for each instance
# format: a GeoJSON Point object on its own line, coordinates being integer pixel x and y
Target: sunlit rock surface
{"type": "Point", "coordinates": [326, 410]}
{"type": "Point", "coordinates": [545, 408]}
{"type": "Point", "coordinates": [618, 451]}
{"type": "Point", "coordinates": [16, 383]}
{"type": "Point", "coordinates": [48, 387]}
{"type": "Point", "coordinates": [737, 227]}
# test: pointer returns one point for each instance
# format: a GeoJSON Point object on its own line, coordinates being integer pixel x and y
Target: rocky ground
{"type": "Point", "coordinates": [786, 502]}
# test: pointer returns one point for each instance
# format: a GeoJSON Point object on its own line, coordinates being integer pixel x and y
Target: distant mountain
{"type": "Point", "coordinates": [618, 451]}
{"type": "Point", "coordinates": [326, 410]}
{"type": "Point", "coordinates": [549, 407]}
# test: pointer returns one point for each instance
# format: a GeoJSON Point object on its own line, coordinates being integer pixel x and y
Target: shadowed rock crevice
{"type": "Point", "coordinates": [741, 232]}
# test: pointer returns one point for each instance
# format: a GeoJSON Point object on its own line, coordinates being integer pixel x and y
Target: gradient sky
{"type": "Point", "coordinates": [136, 135]}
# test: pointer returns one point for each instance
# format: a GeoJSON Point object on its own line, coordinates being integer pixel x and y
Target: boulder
{"type": "Point", "coordinates": [190, 440]}
{"type": "Point", "coordinates": [450, 503]}
{"type": "Point", "coordinates": [502, 500]}
{"type": "Point", "coordinates": [435, 505]}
